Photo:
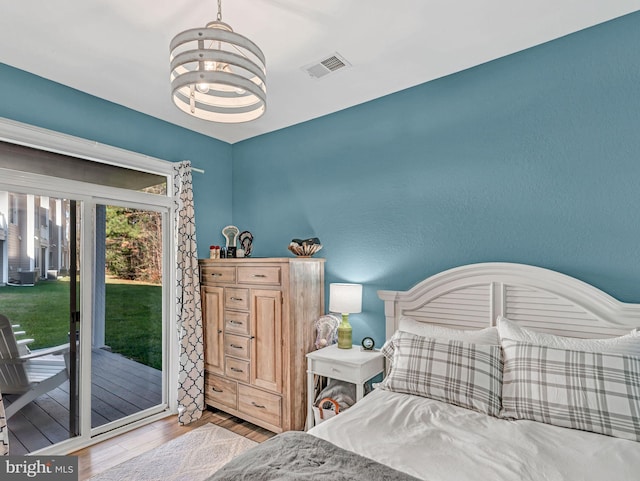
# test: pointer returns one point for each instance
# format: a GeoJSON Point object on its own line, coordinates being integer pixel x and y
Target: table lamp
{"type": "Point", "coordinates": [345, 299]}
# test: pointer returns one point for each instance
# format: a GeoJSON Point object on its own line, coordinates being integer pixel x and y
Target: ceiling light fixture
{"type": "Point", "coordinates": [217, 74]}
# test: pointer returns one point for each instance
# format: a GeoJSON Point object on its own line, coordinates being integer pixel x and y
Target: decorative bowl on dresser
{"type": "Point", "coordinates": [258, 316]}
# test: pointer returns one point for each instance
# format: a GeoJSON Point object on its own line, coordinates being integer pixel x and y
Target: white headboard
{"type": "Point", "coordinates": [472, 296]}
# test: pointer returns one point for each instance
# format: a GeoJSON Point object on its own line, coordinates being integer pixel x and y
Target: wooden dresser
{"type": "Point", "coordinates": [258, 316]}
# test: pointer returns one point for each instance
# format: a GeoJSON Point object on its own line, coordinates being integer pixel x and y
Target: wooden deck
{"type": "Point", "coordinates": [120, 387]}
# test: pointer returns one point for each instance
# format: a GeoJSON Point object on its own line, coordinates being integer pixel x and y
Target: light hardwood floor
{"type": "Point", "coordinates": [101, 456]}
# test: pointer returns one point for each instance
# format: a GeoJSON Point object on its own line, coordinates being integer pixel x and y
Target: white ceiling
{"type": "Point", "coordinates": [118, 50]}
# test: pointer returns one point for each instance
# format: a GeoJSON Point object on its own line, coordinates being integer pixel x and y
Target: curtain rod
{"type": "Point", "coordinates": [193, 169]}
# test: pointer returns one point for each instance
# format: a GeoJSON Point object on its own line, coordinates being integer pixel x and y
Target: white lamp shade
{"type": "Point", "coordinates": [345, 298]}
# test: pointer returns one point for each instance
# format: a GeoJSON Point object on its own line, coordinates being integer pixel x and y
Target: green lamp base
{"type": "Point", "coordinates": [345, 340]}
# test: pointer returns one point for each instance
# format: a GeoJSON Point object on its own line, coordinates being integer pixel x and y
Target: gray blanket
{"type": "Point", "coordinates": [294, 455]}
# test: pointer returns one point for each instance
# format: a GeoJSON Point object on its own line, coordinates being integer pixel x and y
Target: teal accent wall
{"type": "Point", "coordinates": [34, 100]}
{"type": "Point", "coordinates": [532, 158]}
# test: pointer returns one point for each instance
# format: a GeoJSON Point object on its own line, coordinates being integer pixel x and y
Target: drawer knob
{"type": "Point", "coordinates": [260, 406]}
{"type": "Point", "coordinates": [216, 274]}
{"type": "Point", "coordinates": [259, 275]}
{"type": "Point", "coordinates": [237, 323]}
{"type": "Point", "coordinates": [219, 331]}
{"type": "Point", "coordinates": [236, 299]}
{"type": "Point", "coordinates": [215, 389]}
{"type": "Point", "coordinates": [235, 346]}
{"type": "Point", "coordinates": [235, 369]}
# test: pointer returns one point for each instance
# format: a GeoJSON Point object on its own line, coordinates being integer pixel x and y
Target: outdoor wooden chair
{"type": "Point", "coordinates": [23, 343]}
{"type": "Point", "coordinates": [29, 374]}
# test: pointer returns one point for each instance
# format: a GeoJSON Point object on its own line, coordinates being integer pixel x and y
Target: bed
{"type": "Point", "coordinates": [508, 352]}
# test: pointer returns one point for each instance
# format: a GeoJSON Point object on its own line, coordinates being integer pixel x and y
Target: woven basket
{"type": "Point", "coordinates": [320, 414]}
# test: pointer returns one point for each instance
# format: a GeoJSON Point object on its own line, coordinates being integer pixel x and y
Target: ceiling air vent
{"type": "Point", "coordinates": [326, 65]}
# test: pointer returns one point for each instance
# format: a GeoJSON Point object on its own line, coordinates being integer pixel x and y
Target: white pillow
{"type": "Point", "coordinates": [628, 344]}
{"type": "Point", "coordinates": [487, 336]}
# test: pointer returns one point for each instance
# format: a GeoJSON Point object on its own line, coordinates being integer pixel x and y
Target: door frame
{"type": "Point", "coordinates": [88, 195]}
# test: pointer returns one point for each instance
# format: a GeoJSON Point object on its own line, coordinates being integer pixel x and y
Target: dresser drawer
{"type": "Point", "coordinates": [260, 404]}
{"type": "Point", "coordinates": [219, 389]}
{"type": "Point", "coordinates": [236, 369]}
{"type": "Point", "coordinates": [236, 322]}
{"type": "Point", "coordinates": [237, 346]}
{"type": "Point", "coordinates": [260, 275]}
{"type": "Point", "coordinates": [235, 298]}
{"type": "Point", "coordinates": [216, 274]}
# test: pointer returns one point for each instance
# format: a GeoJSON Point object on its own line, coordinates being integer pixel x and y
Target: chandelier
{"type": "Point", "coordinates": [217, 74]}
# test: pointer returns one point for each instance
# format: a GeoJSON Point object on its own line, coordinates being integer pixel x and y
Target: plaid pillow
{"type": "Point", "coordinates": [467, 375]}
{"type": "Point", "coordinates": [590, 391]}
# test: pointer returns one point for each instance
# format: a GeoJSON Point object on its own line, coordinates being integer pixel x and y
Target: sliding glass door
{"type": "Point", "coordinates": [84, 262]}
{"type": "Point", "coordinates": [39, 292]}
{"type": "Point", "coordinates": [127, 345]}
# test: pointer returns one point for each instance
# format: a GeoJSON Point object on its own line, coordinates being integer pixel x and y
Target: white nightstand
{"type": "Point", "coordinates": [350, 365]}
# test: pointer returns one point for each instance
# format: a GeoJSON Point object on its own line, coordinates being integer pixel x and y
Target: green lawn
{"type": "Point", "coordinates": [133, 322]}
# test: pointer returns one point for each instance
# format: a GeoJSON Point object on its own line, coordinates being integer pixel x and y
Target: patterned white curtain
{"type": "Point", "coordinates": [188, 312]}
{"type": "Point", "coordinates": [4, 431]}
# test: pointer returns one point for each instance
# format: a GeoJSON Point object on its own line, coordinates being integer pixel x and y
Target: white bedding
{"type": "Point", "coordinates": [436, 441]}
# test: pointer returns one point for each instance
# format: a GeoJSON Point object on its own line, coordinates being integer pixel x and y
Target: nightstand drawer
{"type": "Point", "coordinates": [215, 274]}
{"type": "Point", "coordinates": [218, 389]}
{"type": "Point", "coordinates": [237, 346]}
{"type": "Point", "coordinates": [259, 275]}
{"type": "Point", "coordinates": [236, 369]}
{"type": "Point", "coordinates": [333, 370]}
{"type": "Point", "coordinates": [260, 404]}
{"type": "Point", "coordinates": [236, 322]}
{"type": "Point", "coordinates": [235, 298]}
